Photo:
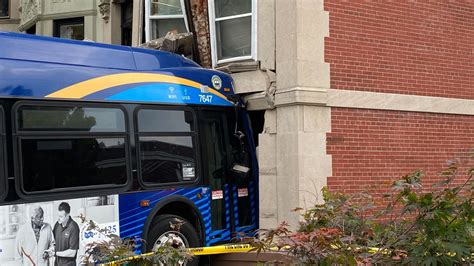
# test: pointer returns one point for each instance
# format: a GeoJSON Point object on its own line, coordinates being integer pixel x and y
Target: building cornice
{"type": "Point", "coordinates": [63, 15]}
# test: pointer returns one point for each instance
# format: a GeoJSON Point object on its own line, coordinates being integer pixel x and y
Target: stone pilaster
{"type": "Point", "coordinates": [301, 118]}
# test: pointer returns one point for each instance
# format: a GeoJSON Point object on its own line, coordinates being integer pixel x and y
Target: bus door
{"type": "Point", "coordinates": [243, 186]}
{"type": "Point", "coordinates": [233, 199]}
{"type": "Point", "coordinates": [215, 156]}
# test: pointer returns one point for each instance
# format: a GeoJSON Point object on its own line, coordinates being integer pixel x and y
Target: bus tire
{"type": "Point", "coordinates": [161, 228]}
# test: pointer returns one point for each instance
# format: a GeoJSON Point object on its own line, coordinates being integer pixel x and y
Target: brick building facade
{"type": "Point", "coordinates": [417, 49]}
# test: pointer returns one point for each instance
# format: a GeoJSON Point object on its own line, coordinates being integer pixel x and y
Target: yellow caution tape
{"type": "Point", "coordinates": [222, 249]}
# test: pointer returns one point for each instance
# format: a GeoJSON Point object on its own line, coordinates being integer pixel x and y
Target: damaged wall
{"type": "Point", "coordinates": [200, 19]}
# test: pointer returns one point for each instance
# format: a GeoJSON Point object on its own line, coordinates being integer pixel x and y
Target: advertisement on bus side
{"type": "Point", "coordinates": [55, 232]}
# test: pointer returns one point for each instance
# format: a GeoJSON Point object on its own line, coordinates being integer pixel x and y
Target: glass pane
{"type": "Point", "coordinates": [59, 118]}
{"type": "Point", "coordinates": [234, 37]}
{"type": "Point", "coordinates": [3, 170]}
{"type": "Point", "coordinates": [214, 155]}
{"type": "Point", "coordinates": [159, 27]}
{"type": "Point", "coordinates": [4, 6]}
{"type": "Point", "coordinates": [67, 163]}
{"type": "Point", "coordinates": [225, 8]}
{"type": "Point", "coordinates": [167, 159]}
{"type": "Point", "coordinates": [166, 7]}
{"type": "Point", "coordinates": [72, 32]}
{"type": "Point", "coordinates": [165, 121]}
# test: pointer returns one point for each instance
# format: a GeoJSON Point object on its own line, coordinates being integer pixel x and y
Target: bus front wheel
{"type": "Point", "coordinates": [174, 230]}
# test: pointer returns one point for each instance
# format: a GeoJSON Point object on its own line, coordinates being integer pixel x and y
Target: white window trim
{"type": "Point", "coordinates": [234, 16]}
{"type": "Point", "coordinates": [212, 31]}
{"type": "Point", "coordinates": [149, 17]}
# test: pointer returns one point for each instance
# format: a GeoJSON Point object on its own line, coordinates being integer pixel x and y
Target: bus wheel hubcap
{"type": "Point", "coordinates": [172, 238]}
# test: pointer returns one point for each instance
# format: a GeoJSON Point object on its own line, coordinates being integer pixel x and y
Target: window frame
{"type": "Point", "coordinates": [8, 16]}
{"type": "Point", "coordinates": [57, 23]}
{"type": "Point", "coordinates": [213, 34]}
{"type": "Point", "coordinates": [194, 137]}
{"type": "Point", "coordinates": [58, 131]}
{"type": "Point", "coordinates": [19, 135]}
{"type": "Point", "coordinates": [3, 161]}
{"type": "Point", "coordinates": [149, 18]}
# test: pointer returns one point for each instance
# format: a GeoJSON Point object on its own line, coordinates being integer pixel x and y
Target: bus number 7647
{"type": "Point", "coordinates": [205, 98]}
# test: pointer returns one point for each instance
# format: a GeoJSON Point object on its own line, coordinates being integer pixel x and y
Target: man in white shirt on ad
{"type": "Point", "coordinates": [34, 239]}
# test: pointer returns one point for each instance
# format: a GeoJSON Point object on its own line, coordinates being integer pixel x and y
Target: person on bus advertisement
{"type": "Point", "coordinates": [34, 240]}
{"type": "Point", "coordinates": [66, 235]}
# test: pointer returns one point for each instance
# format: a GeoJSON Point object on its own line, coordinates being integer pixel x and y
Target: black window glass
{"type": "Point", "coordinates": [49, 164]}
{"type": "Point", "coordinates": [4, 7]}
{"type": "Point", "coordinates": [71, 28]}
{"type": "Point", "coordinates": [225, 8]}
{"type": "Point", "coordinates": [67, 118]}
{"type": "Point", "coordinates": [165, 121]}
{"type": "Point", "coordinates": [214, 149]}
{"type": "Point", "coordinates": [167, 159]}
{"type": "Point", "coordinates": [3, 170]}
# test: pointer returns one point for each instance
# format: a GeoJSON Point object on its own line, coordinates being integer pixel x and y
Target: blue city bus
{"type": "Point", "coordinates": [130, 138]}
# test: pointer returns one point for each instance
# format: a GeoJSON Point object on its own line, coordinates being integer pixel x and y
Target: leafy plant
{"type": "Point", "coordinates": [110, 247]}
{"type": "Point", "coordinates": [416, 227]}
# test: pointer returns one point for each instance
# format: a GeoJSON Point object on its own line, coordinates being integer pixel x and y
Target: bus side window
{"type": "Point", "coordinates": [70, 147]}
{"type": "Point", "coordinates": [166, 146]}
{"type": "Point", "coordinates": [3, 164]}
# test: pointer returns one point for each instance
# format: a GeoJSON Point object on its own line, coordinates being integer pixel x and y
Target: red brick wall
{"type": "Point", "coordinates": [422, 48]}
{"type": "Point", "coordinates": [374, 147]}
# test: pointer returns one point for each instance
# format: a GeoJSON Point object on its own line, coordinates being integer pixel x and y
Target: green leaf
{"type": "Point", "coordinates": [412, 197]}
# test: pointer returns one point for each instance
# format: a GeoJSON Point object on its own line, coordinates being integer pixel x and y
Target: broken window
{"type": "Point", "coordinates": [163, 16]}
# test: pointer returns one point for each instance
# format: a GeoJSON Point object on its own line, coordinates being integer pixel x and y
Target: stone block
{"type": "Point", "coordinates": [65, 6]}
{"type": "Point", "coordinates": [288, 119]}
{"type": "Point", "coordinates": [266, 33]}
{"type": "Point", "coordinates": [313, 74]}
{"type": "Point", "coordinates": [286, 76]}
{"type": "Point", "coordinates": [317, 119]}
{"type": "Point", "coordinates": [267, 150]}
{"type": "Point", "coordinates": [270, 125]}
{"type": "Point", "coordinates": [268, 195]}
{"type": "Point", "coordinates": [311, 143]}
{"type": "Point", "coordinates": [250, 82]}
{"type": "Point", "coordinates": [285, 23]}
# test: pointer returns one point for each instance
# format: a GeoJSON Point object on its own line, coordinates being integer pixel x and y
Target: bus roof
{"type": "Point", "coordinates": [45, 67]}
{"type": "Point", "coordinates": [55, 50]}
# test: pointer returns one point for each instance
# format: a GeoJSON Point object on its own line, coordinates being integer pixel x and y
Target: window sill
{"type": "Point", "coordinates": [9, 21]}
{"type": "Point", "coordinates": [237, 67]}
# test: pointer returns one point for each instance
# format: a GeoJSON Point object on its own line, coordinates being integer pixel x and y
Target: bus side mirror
{"type": "Point", "coordinates": [239, 171]}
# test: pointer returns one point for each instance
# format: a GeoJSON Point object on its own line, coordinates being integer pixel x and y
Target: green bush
{"type": "Point", "coordinates": [112, 248]}
{"type": "Point", "coordinates": [416, 227]}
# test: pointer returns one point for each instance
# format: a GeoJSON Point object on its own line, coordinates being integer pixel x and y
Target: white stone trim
{"type": "Point", "coordinates": [371, 100]}
{"type": "Point", "coordinates": [71, 14]}
{"type": "Point", "coordinates": [301, 96]}
{"type": "Point", "coordinates": [399, 102]}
